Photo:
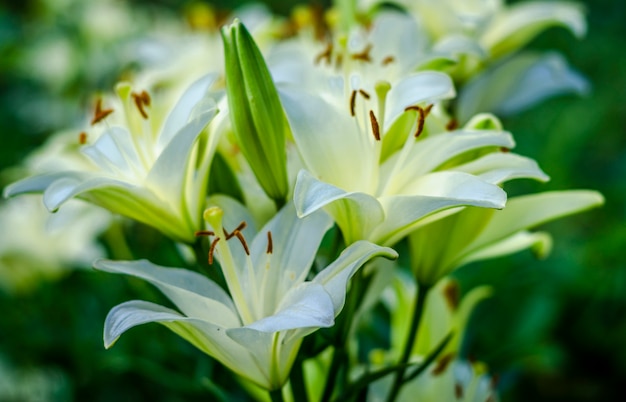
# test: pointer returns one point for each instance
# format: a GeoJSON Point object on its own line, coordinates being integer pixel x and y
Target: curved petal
{"type": "Point", "coordinates": [540, 241]}
{"type": "Point", "coordinates": [294, 245]}
{"type": "Point", "coordinates": [529, 211]}
{"type": "Point", "coordinates": [427, 86]}
{"type": "Point", "coordinates": [355, 213]}
{"type": "Point", "coordinates": [114, 153]}
{"type": "Point", "coordinates": [37, 183]}
{"type": "Point", "coordinates": [400, 170]}
{"type": "Point", "coordinates": [432, 193]}
{"type": "Point", "coordinates": [335, 277]}
{"type": "Point", "coordinates": [209, 338]}
{"type": "Point", "coordinates": [498, 167]}
{"type": "Point", "coordinates": [194, 294]}
{"type": "Point", "coordinates": [520, 23]}
{"type": "Point", "coordinates": [330, 142]}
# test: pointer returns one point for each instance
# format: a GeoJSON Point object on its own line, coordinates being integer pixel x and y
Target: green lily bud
{"type": "Point", "coordinates": [255, 111]}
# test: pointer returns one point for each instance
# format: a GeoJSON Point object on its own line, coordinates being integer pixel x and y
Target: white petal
{"type": "Point", "coordinates": [528, 211]}
{"type": "Point", "coordinates": [432, 193]}
{"type": "Point", "coordinates": [416, 88]}
{"type": "Point", "coordinates": [335, 277]}
{"type": "Point", "coordinates": [498, 167]}
{"type": "Point", "coordinates": [509, 245]}
{"type": "Point", "coordinates": [295, 243]}
{"type": "Point", "coordinates": [194, 294]}
{"type": "Point", "coordinates": [355, 213]}
{"type": "Point", "coordinates": [182, 112]}
{"type": "Point", "coordinates": [520, 23]}
{"type": "Point", "coordinates": [330, 142]}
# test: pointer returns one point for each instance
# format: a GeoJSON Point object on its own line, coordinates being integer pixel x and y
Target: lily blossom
{"type": "Point", "coordinates": [144, 168]}
{"type": "Point", "coordinates": [257, 330]}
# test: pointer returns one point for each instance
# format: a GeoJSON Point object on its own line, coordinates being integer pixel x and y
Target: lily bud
{"type": "Point", "coordinates": [255, 110]}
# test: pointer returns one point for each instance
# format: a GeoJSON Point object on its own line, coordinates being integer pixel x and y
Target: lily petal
{"type": "Point", "coordinates": [498, 167]}
{"type": "Point", "coordinates": [519, 241]}
{"type": "Point", "coordinates": [194, 294]}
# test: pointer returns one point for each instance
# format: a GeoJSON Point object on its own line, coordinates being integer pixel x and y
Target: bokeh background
{"type": "Point", "coordinates": [553, 331]}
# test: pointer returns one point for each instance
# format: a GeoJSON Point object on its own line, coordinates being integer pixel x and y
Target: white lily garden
{"type": "Point", "coordinates": [315, 169]}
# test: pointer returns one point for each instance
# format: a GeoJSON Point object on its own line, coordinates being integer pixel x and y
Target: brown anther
{"type": "Point", "coordinates": [326, 54]}
{"type": "Point", "coordinates": [505, 150]}
{"type": "Point", "coordinates": [238, 234]}
{"type": "Point", "coordinates": [388, 60]}
{"type": "Point", "coordinates": [212, 249]}
{"type": "Point", "coordinates": [453, 124]}
{"type": "Point", "coordinates": [375, 127]}
{"type": "Point", "coordinates": [270, 244]}
{"type": "Point", "coordinates": [365, 94]}
{"type": "Point", "coordinates": [458, 391]}
{"type": "Point", "coordinates": [352, 103]}
{"type": "Point", "coordinates": [442, 364]}
{"type": "Point", "coordinates": [198, 233]}
{"type": "Point", "coordinates": [141, 99]}
{"type": "Point", "coordinates": [239, 227]}
{"type": "Point", "coordinates": [82, 138]}
{"type": "Point", "coordinates": [428, 108]}
{"type": "Point", "coordinates": [98, 113]}
{"type": "Point", "coordinates": [364, 55]}
{"type": "Point", "coordinates": [421, 118]}
{"type": "Point", "coordinates": [452, 294]}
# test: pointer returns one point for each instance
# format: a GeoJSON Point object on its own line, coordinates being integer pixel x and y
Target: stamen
{"type": "Point", "coordinates": [421, 118]}
{"type": "Point", "coordinates": [141, 99]}
{"type": "Point", "coordinates": [100, 114]}
{"type": "Point", "coordinates": [364, 55]}
{"type": "Point", "coordinates": [453, 124]}
{"type": "Point", "coordinates": [388, 60]}
{"type": "Point", "coordinates": [352, 102]}
{"type": "Point", "coordinates": [505, 150]}
{"type": "Point", "coordinates": [338, 61]}
{"type": "Point", "coordinates": [82, 138]}
{"type": "Point", "coordinates": [198, 233]}
{"type": "Point", "coordinates": [375, 127]}
{"type": "Point", "coordinates": [238, 234]}
{"type": "Point", "coordinates": [442, 364]}
{"type": "Point", "coordinates": [326, 54]}
{"type": "Point", "coordinates": [240, 227]}
{"type": "Point", "coordinates": [428, 108]}
{"type": "Point", "coordinates": [458, 391]}
{"type": "Point", "coordinates": [212, 249]}
{"type": "Point", "coordinates": [365, 94]}
{"type": "Point", "coordinates": [270, 245]}
{"type": "Point", "coordinates": [451, 293]}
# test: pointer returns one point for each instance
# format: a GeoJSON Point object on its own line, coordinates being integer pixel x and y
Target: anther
{"type": "Point", "coordinates": [453, 124]}
{"type": "Point", "coordinates": [141, 99]}
{"type": "Point", "coordinates": [238, 234]}
{"type": "Point", "coordinates": [375, 127]}
{"type": "Point", "coordinates": [100, 114]}
{"type": "Point", "coordinates": [421, 118]}
{"type": "Point", "coordinates": [198, 233]}
{"type": "Point", "coordinates": [270, 244]}
{"type": "Point", "coordinates": [364, 55]}
{"type": "Point", "coordinates": [338, 61]}
{"type": "Point", "coordinates": [452, 295]}
{"type": "Point", "coordinates": [326, 54]}
{"type": "Point", "coordinates": [428, 108]}
{"type": "Point", "coordinates": [458, 391]}
{"type": "Point", "coordinates": [365, 94]}
{"type": "Point", "coordinates": [239, 228]}
{"type": "Point", "coordinates": [352, 102]}
{"type": "Point", "coordinates": [388, 60]}
{"type": "Point", "coordinates": [212, 249]}
{"type": "Point", "coordinates": [505, 150]}
{"type": "Point", "coordinates": [82, 138]}
{"type": "Point", "coordinates": [442, 364]}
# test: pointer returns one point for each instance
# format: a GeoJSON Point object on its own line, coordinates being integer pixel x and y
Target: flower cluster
{"type": "Point", "coordinates": [297, 156]}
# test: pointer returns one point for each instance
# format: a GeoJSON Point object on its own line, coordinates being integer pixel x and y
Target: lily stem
{"type": "Point", "coordinates": [418, 310]}
{"type": "Point", "coordinates": [276, 395]}
{"type": "Point", "coordinates": [296, 378]}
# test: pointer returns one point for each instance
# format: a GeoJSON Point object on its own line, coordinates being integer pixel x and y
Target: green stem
{"type": "Point", "coordinates": [418, 310]}
{"type": "Point", "coordinates": [333, 372]}
{"type": "Point", "coordinates": [276, 395]}
{"type": "Point", "coordinates": [296, 379]}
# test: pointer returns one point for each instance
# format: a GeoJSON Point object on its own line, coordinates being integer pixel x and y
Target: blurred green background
{"type": "Point", "coordinates": [553, 331]}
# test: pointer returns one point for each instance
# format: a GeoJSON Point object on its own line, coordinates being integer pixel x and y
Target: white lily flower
{"type": "Point", "coordinates": [147, 169]}
{"type": "Point", "coordinates": [257, 330]}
